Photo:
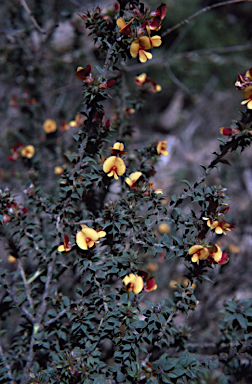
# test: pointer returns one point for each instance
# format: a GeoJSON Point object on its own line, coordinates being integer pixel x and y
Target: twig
{"type": "Point", "coordinates": [38, 319]}
{"type": "Point", "coordinates": [189, 54]}
{"type": "Point", "coordinates": [205, 9]}
{"type": "Point", "coordinates": [61, 313]}
{"type": "Point", "coordinates": [107, 64]}
{"type": "Point", "coordinates": [27, 9]}
{"type": "Point", "coordinates": [27, 287]}
{"type": "Point", "coordinates": [12, 381]}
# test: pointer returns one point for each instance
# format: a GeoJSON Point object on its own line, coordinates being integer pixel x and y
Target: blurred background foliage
{"type": "Point", "coordinates": [196, 66]}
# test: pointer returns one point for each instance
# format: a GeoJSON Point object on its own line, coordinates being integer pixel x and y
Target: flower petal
{"type": "Point", "coordinates": [134, 48]}
{"type": "Point", "coordinates": [108, 164]}
{"type": "Point", "coordinates": [81, 240]}
{"type": "Point", "coordinates": [121, 23]}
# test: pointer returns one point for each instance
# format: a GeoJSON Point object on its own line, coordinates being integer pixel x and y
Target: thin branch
{"type": "Point", "coordinates": [38, 319]}
{"type": "Point", "coordinates": [6, 364]}
{"type": "Point", "coordinates": [28, 11]}
{"type": "Point", "coordinates": [196, 14]}
{"type": "Point", "coordinates": [107, 64]}
{"type": "Point", "coordinates": [188, 54]}
{"type": "Point", "coordinates": [26, 285]}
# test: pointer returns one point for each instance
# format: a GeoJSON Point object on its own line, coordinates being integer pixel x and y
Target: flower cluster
{"type": "Point", "coordinates": [143, 42]}
{"type": "Point", "coordinates": [244, 83]}
{"type": "Point", "coordinates": [21, 150]}
{"type": "Point", "coordinates": [219, 227]}
{"type": "Point", "coordinates": [210, 252]}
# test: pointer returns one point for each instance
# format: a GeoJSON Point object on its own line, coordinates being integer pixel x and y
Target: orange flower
{"type": "Point", "coordinates": [164, 228]}
{"type": "Point", "coordinates": [125, 29]}
{"type": "Point", "coordinates": [198, 253]}
{"type": "Point", "coordinates": [133, 283]}
{"type": "Point", "coordinates": [114, 166]}
{"type": "Point", "coordinates": [161, 148]}
{"type": "Point", "coordinates": [88, 237]}
{"type": "Point", "coordinates": [28, 151]}
{"type": "Point", "coordinates": [49, 126]}
{"type": "Point", "coordinates": [132, 179]}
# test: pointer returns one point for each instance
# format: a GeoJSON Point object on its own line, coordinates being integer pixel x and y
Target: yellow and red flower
{"type": "Point", "coordinates": [125, 28]}
{"type": "Point", "coordinates": [114, 166]}
{"type": "Point", "coordinates": [198, 253]}
{"type": "Point", "coordinates": [49, 126]}
{"type": "Point", "coordinates": [150, 285]}
{"type": "Point", "coordinates": [133, 283]}
{"type": "Point", "coordinates": [28, 151]}
{"type": "Point", "coordinates": [88, 237]}
{"type": "Point", "coordinates": [139, 47]}
{"type": "Point", "coordinates": [244, 80]}
{"type": "Point", "coordinates": [118, 149]}
{"type": "Point", "coordinates": [143, 44]}
{"type": "Point", "coordinates": [215, 253]}
{"type": "Point", "coordinates": [161, 148]}
{"type": "Point", "coordinates": [219, 227]}
{"type": "Point", "coordinates": [16, 150]}
{"type": "Point", "coordinates": [247, 93]}
{"type": "Point", "coordinates": [147, 84]}
{"type": "Point", "coordinates": [229, 131]}
{"type": "Point", "coordinates": [84, 74]}
{"type": "Point", "coordinates": [132, 179]}
{"type": "Point", "coordinates": [66, 246]}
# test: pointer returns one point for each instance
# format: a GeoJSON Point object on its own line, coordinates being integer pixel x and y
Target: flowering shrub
{"type": "Point", "coordinates": [84, 308]}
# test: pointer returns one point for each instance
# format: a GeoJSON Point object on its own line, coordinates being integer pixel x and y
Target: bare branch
{"type": "Point", "coordinates": [205, 9]}
{"type": "Point", "coordinates": [5, 362]}
{"type": "Point", "coordinates": [27, 287]}
{"type": "Point", "coordinates": [27, 9]}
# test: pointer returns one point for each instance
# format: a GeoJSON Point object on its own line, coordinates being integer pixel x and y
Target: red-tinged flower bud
{"type": "Point", "coordinates": [107, 125]}
{"type": "Point", "coordinates": [110, 83]}
{"type": "Point", "coordinates": [226, 131]}
{"type": "Point", "coordinates": [224, 258]}
{"type": "Point", "coordinates": [116, 6]}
